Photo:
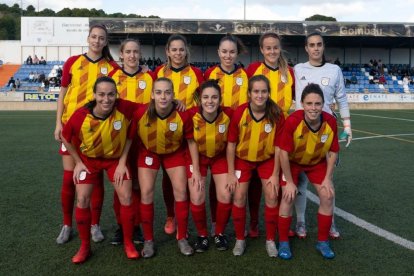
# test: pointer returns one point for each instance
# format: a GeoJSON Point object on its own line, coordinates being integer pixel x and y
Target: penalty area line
{"type": "Point", "coordinates": [366, 225]}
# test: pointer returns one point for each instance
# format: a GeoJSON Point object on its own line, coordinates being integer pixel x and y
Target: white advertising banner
{"type": "Point", "coordinates": [380, 98]}
{"type": "Point", "coordinates": [54, 31]}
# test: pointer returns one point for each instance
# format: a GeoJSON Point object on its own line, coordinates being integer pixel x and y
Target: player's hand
{"type": "Point", "coordinates": [273, 186]}
{"type": "Point", "coordinates": [180, 105]}
{"type": "Point", "coordinates": [196, 180]}
{"type": "Point", "coordinates": [232, 182]}
{"type": "Point", "coordinates": [58, 132]}
{"type": "Point", "coordinates": [290, 191]}
{"type": "Point", "coordinates": [120, 171]}
{"type": "Point", "coordinates": [348, 131]}
{"type": "Point", "coordinates": [79, 172]}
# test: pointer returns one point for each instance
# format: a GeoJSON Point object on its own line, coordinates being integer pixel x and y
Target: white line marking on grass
{"type": "Point", "coordinates": [366, 225]}
{"type": "Point", "coordinates": [379, 136]}
{"type": "Point", "coordinates": [382, 117]}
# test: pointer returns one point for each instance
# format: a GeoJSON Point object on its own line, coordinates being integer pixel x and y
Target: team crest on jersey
{"type": "Point", "coordinates": [142, 84]}
{"type": "Point", "coordinates": [173, 126]}
{"type": "Point", "coordinates": [148, 160]}
{"type": "Point", "coordinates": [325, 81]}
{"type": "Point", "coordinates": [268, 128]}
{"type": "Point", "coordinates": [187, 80]}
{"type": "Point", "coordinates": [324, 138]}
{"type": "Point", "coordinates": [222, 128]}
{"type": "Point", "coordinates": [117, 125]}
{"type": "Point", "coordinates": [104, 70]}
{"type": "Point", "coordinates": [239, 81]}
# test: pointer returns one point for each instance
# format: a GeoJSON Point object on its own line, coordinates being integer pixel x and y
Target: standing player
{"type": "Point", "coordinates": [186, 79]}
{"type": "Point", "coordinates": [134, 83]}
{"type": "Point", "coordinates": [329, 77]}
{"type": "Point", "coordinates": [309, 145]}
{"type": "Point", "coordinates": [233, 82]}
{"type": "Point", "coordinates": [280, 75]}
{"type": "Point", "coordinates": [95, 136]}
{"type": "Point", "coordinates": [210, 127]}
{"type": "Point", "coordinates": [78, 77]}
{"type": "Point", "coordinates": [162, 129]}
{"type": "Point", "coordinates": [253, 134]}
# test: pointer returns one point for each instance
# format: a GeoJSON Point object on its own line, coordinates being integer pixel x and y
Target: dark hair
{"type": "Point", "coordinates": [105, 50]}
{"type": "Point", "coordinates": [103, 79]}
{"type": "Point", "coordinates": [124, 43]}
{"type": "Point", "coordinates": [312, 88]}
{"type": "Point", "coordinates": [207, 84]}
{"type": "Point", "coordinates": [282, 62]}
{"type": "Point", "coordinates": [241, 49]}
{"type": "Point", "coordinates": [272, 111]}
{"type": "Point", "coordinates": [172, 38]}
{"type": "Point", "coordinates": [152, 113]}
{"type": "Point", "coordinates": [323, 42]}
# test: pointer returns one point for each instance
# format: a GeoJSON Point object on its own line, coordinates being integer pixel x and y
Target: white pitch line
{"type": "Point", "coordinates": [382, 136]}
{"type": "Point", "coordinates": [382, 117]}
{"type": "Point", "coordinates": [366, 225]}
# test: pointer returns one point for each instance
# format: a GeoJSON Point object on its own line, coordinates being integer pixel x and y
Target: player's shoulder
{"type": "Point", "coordinates": [209, 70]}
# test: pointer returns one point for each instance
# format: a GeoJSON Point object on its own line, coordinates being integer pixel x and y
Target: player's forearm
{"type": "Point", "coordinates": [59, 110]}
{"type": "Point", "coordinates": [285, 165]}
{"type": "Point", "coordinates": [331, 160]}
{"type": "Point", "coordinates": [231, 155]}
{"type": "Point", "coordinates": [192, 146]}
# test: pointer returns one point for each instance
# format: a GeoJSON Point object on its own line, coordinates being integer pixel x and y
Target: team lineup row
{"type": "Point", "coordinates": [130, 122]}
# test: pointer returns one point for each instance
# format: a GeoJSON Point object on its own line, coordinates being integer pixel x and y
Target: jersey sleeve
{"type": "Point", "coordinates": [66, 76]}
{"type": "Point", "coordinates": [114, 64]}
{"type": "Point", "coordinates": [292, 74]}
{"type": "Point", "coordinates": [113, 72]}
{"type": "Point", "coordinates": [188, 124]}
{"type": "Point", "coordinates": [340, 94]}
{"type": "Point", "coordinates": [128, 108]}
{"type": "Point", "coordinates": [251, 69]}
{"type": "Point", "coordinates": [286, 139]}
{"type": "Point", "coordinates": [199, 75]}
{"type": "Point", "coordinates": [73, 126]}
{"type": "Point", "coordinates": [233, 134]}
{"type": "Point", "coordinates": [208, 72]}
{"type": "Point", "coordinates": [335, 142]}
{"type": "Point", "coordinates": [157, 70]}
{"type": "Point", "coordinates": [228, 111]}
{"type": "Point", "coordinates": [133, 128]}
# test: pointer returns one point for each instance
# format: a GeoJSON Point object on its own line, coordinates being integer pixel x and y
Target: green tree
{"type": "Point", "coordinates": [318, 17]}
{"type": "Point", "coordinates": [46, 12]}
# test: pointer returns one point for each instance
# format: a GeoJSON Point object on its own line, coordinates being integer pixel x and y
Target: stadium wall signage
{"type": "Point", "coordinates": [380, 98]}
{"type": "Point", "coordinates": [41, 97]}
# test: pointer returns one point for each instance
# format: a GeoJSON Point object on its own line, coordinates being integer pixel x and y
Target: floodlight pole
{"type": "Point", "coordinates": [244, 10]}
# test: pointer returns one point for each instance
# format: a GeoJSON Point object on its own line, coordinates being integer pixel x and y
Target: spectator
{"type": "Point", "coordinates": [42, 77]}
{"type": "Point", "coordinates": [29, 60]}
{"type": "Point", "coordinates": [354, 79]}
{"type": "Point", "coordinates": [35, 60]}
{"type": "Point", "coordinates": [382, 79]}
{"type": "Point", "coordinates": [17, 83]}
{"type": "Point", "coordinates": [42, 60]}
{"type": "Point", "coordinates": [11, 83]}
{"type": "Point", "coordinates": [35, 76]}
{"type": "Point", "coordinates": [31, 77]}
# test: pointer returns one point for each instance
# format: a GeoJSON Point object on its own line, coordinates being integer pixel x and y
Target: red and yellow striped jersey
{"type": "Point", "coordinates": [79, 75]}
{"type": "Point", "coordinates": [233, 85]}
{"type": "Point", "coordinates": [185, 79]}
{"type": "Point", "coordinates": [100, 138]}
{"type": "Point", "coordinates": [255, 139]}
{"type": "Point", "coordinates": [163, 135]}
{"type": "Point", "coordinates": [281, 90]}
{"type": "Point", "coordinates": [135, 87]}
{"type": "Point", "coordinates": [211, 137]}
{"type": "Point", "coordinates": [306, 146]}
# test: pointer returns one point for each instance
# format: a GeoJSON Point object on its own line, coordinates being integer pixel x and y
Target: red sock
{"type": "Point", "coordinates": [199, 217]}
{"type": "Point", "coordinates": [223, 214]}
{"type": "Point", "coordinates": [67, 197]}
{"type": "Point", "coordinates": [181, 208]}
{"type": "Point", "coordinates": [168, 192]}
{"type": "Point", "coordinates": [117, 205]}
{"type": "Point", "coordinates": [324, 225]}
{"type": "Point", "coordinates": [239, 221]}
{"type": "Point", "coordinates": [283, 227]}
{"type": "Point", "coordinates": [147, 217]}
{"type": "Point", "coordinates": [83, 222]}
{"type": "Point", "coordinates": [213, 200]}
{"type": "Point", "coordinates": [127, 218]}
{"type": "Point", "coordinates": [97, 199]}
{"type": "Point", "coordinates": [254, 197]}
{"type": "Point", "coordinates": [271, 214]}
{"type": "Point", "coordinates": [136, 201]}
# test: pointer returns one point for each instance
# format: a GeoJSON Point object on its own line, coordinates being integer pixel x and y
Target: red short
{"type": "Point", "coordinates": [217, 164]}
{"type": "Point", "coordinates": [151, 160]}
{"type": "Point", "coordinates": [315, 173]}
{"type": "Point", "coordinates": [244, 169]}
{"type": "Point", "coordinates": [63, 150]}
{"type": "Point", "coordinates": [96, 166]}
